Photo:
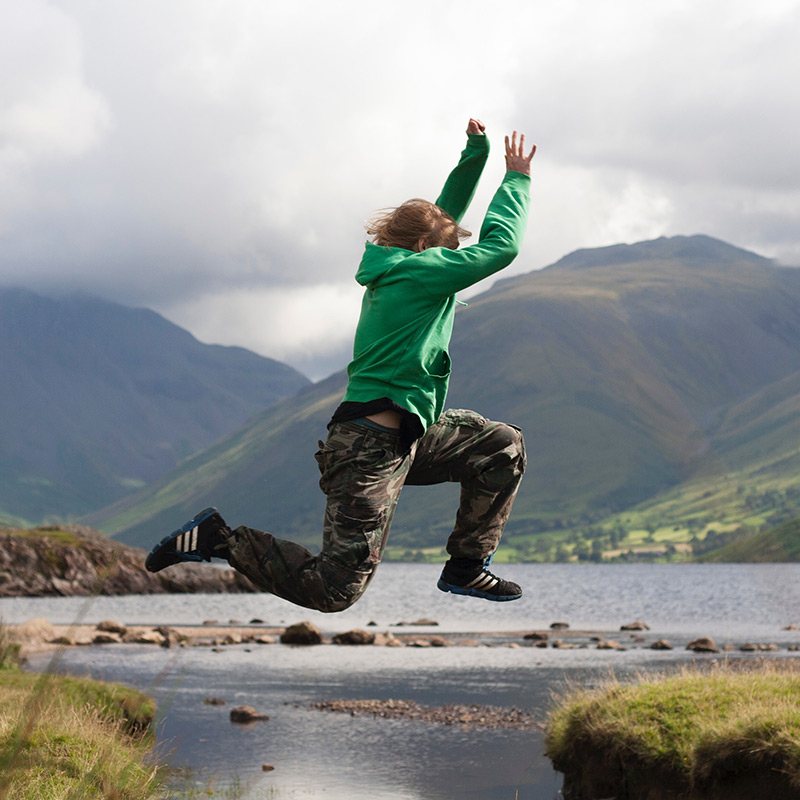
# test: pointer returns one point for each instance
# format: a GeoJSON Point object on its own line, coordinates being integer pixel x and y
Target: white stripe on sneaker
{"type": "Point", "coordinates": [480, 582]}
{"type": "Point", "coordinates": [193, 539]}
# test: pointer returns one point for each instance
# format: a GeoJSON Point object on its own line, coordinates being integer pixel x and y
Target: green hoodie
{"type": "Point", "coordinates": [400, 349]}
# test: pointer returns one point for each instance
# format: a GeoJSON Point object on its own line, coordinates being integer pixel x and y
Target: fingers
{"type": "Point", "coordinates": [517, 150]}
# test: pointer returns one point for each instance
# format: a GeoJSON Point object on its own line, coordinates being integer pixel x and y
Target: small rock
{"type": "Point", "coordinates": [705, 644]}
{"type": "Point", "coordinates": [793, 648]}
{"type": "Point", "coordinates": [111, 626]}
{"type": "Point", "coordinates": [214, 701]}
{"type": "Point", "coordinates": [437, 641]}
{"type": "Point", "coordinates": [419, 643]}
{"type": "Point", "coordinates": [768, 647]}
{"type": "Point", "coordinates": [63, 640]}
{"type": "Point", "coordinates": [301, 633]}
{"type": "Point", "coordinates": [107, 638]}
{"type": "Point", "coordinates": [636, 625]}
{"type": "Point", "coordinates": [728, 647]}
{"type": "Point", "coordinates": [209, 622]}
{"type": "Point", "coordinates": [372, 624]}
{"type": "Point", "coordinates": [267, 768]}
{"type": "Point", "coordinates": [256, 621]}
{"type": "Point", "coordinates": [356, 636]}
{"type": "Point", "coordinates": [791, 627]}
{"type": "Point", "coordinates": [245, 714]}
{"type": "Point", "coordinates": [170, 635]}
{"type": "Point", "coordinates": [661, 644]}
{"type": "Point", "coordinates": [143, 637]}
{"type": "Point", "coordinates": [559, 626]}
{"type": "Point", "coordinates": [234, 622]}
{"type": "Point", "coordinates": [264, 639]}
{"type": "Point", "coordinates": [537, 636]}
{"type": "Point", "coordinates": [393, 641]}
{"type": "Point", "coordinates": [541, 643]}
{"type": "Point", "coordinates": [422, 621]}
{"type": "Point", "coordinates": [232, 638]}
{"type": "Point", "coordinates": [608, 644]}
{"type": "Point", "coordinates": [560, 644]}
{"type": "Point", "coordinates": [749, 647]}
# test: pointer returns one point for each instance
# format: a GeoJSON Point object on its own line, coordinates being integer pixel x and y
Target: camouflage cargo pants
{"type": "Point", "coordinates": [362, 473]}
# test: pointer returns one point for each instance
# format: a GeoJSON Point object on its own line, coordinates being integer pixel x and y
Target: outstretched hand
{"type": "Point", "coordinates": [516, 160]}
{"type": "Point", "coordinates": [475, 126]}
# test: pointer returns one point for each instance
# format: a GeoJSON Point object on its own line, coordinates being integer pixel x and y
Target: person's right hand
{"type": "Point", "coordinates": [516, 160]}
{"type": "Point", "coordinates": [475, 126]}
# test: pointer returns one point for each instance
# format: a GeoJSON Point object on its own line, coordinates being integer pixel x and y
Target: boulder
{"type": "Point", "coordinates": [301, 633]}
{"type": "Point", "coordinates": [661, 644]}
{"type": "Point", "coordinates": [705, 644]}
{"type": "Point", "coordinates": [609, 644]}
{"type": "Point", "coordinates": [355, 636]}
{"type": "Point", "coordinates": [111, 626]}
{"type": "Point", "coordinates": [33, 632]}
{"type": "Point", "coordinates": [537, 636]}
{"type": "Point", "coordinates": [245, 714]}
{"type": "Point", "coordinates": [636, 625]}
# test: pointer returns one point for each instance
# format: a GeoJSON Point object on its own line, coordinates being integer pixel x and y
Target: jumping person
{"type": "Point", "coordinates": [390, 429]}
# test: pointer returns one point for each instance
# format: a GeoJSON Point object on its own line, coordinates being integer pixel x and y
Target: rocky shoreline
{"type": "Point", "coordinates": [40, 634]}
{"type": "Point", "coordinates": [73, 560]}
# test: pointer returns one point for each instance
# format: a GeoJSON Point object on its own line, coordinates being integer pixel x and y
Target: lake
{"type": "Point", "coordinates": [336, 756]}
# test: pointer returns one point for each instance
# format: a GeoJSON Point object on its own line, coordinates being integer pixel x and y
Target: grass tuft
{"type": "Point", "coordinates": [693, 729]}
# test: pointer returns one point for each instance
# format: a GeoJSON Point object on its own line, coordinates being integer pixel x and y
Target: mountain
{"type": "Point", "coordinates": [99, 399]}
{"type": "Point", "coordinates": [634, 370]}
{"type": "Point", "coordinates": [778, 544]}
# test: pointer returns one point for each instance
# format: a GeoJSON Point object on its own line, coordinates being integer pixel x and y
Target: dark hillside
{"type": "Point", "coordinates": [100, 399]}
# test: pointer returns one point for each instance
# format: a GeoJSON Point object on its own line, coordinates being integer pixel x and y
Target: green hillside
{"type": "Point", "coordinates": [779, 544]}
{"type": "Point", "coordinates": [641, 374]}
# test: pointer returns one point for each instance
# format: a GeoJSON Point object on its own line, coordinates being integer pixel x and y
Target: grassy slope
{"type": "Point", "coordinates": [690, 729]}
{"type": "Point", "coordinates": [779, 544]}
{"type": "Point", "coordinates": [69, 737]}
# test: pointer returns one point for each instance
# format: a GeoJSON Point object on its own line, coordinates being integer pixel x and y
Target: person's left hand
{"type": "Point", "coordinates": [476, 126]}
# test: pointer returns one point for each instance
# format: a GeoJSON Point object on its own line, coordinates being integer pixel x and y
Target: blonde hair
{"type": "Point", "coordinates": [416, 225]}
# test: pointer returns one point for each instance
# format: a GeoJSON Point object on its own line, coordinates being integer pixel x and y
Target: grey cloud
{"type": "Point", "coordinates": [197, 150]}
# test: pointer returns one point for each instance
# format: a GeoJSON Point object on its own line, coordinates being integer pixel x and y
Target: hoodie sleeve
{"type": "Point", "coordinates": [444, 272]}
{"type": "Point", "coordinates": [461, 183]}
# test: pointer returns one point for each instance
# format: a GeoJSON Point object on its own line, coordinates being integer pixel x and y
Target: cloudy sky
{"type": "Point", "coordinates": [216, 159]}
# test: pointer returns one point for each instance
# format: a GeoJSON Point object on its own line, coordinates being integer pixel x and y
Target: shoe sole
{"type": "Point", "coordinates": [454, 589]}
{"type": "Point", "coordinates": [182, 557]}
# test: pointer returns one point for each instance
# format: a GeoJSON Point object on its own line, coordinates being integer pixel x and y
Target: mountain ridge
{"type": "Point", "coordinates": [100, 398]}
{"type": "Point", "coordinates": [619, 376]}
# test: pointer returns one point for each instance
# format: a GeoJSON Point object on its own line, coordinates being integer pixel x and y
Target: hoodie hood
{"type": "Point", "coordinates": [378, 261]}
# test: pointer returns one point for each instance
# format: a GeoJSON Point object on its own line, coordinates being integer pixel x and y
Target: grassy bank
{"type": "Point", "coordinates": [72, 738]}
{"type": "Point", "coordinates": [720, 734]}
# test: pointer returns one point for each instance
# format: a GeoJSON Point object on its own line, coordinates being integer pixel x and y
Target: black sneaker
{"type": "Point", "coordinates": [202, 538]}
{"type": "Point", "coordinates": [477, 582]}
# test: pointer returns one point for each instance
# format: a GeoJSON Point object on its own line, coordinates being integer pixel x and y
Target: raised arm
{"type": "Point", "coordinates": [461, 184]}
{"type": "Point", "coordinates": [449, 271]}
